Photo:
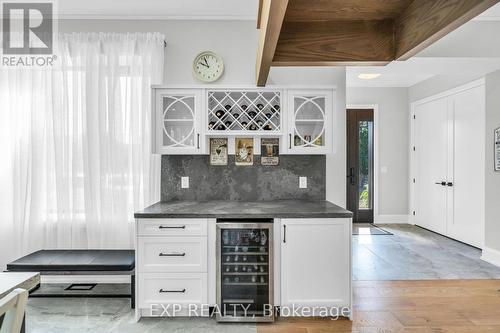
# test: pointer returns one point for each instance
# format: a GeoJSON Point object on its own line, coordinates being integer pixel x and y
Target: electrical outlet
{"type": "Point", "coordinates": [302, 182]}
{"type": "Point", "coordinates": [184, 182]}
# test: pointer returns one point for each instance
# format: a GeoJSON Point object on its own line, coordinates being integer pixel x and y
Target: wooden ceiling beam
{"type": "Point", "coordinates": [424, 22]}
{"type": "Point", "coordinates": [272, 13]}
{"type": "Point", "coordinates": [321, 43]}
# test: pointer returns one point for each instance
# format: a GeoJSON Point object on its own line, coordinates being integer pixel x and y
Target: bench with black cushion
{"type": "Point", "coordinates": [79, 262]}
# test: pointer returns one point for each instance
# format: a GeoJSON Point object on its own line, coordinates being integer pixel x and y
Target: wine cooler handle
{"type": "Point", "coordinates": [172, 291]}
{"type": "Point", "coordinates": [289, 140]}
{"type": "Point", "coordinates": [198, 141]}
{"type": "Point", "coordinates": [284, 233]}
{"type": "Point", "coordinates": [172, 254]}
{"type": "Point", "coordinates": [170, 227]}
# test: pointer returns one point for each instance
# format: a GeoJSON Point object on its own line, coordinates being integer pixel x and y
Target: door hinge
{"type": "Point", "coordinates": [414, 148]}
{"type": "Point", "coordinates": [414, 213]}
{"type": "Point", "coordinates": [414, 117]}
{"type": "Point", "coordinates": [413, 180]}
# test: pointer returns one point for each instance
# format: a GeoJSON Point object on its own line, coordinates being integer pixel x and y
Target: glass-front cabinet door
{"type": "Point", "coordinates": [177, 124]}
{"type": "Point", "coordinates": [310, 121]}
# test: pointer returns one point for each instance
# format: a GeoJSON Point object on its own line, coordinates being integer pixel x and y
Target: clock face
{"type": "Point", "coordinates": [208, 66]}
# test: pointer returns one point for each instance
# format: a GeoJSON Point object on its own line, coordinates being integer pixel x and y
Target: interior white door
{"type": "Point", "coordinates": [468, 112]}
{"type": "Point", "coordinates": [431, 131]}
{"type": "Point", "coordinates": [315, 262]}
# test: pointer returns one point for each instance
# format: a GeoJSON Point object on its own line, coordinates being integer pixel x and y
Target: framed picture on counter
{"type": "Point", "coordinates": [243, 151]}
{"type": "Point", "coordinates": [218, 151]}
{"type": "Point", "coordinates": [269, 151]}
{"type": "Point", "coordinates": [497, 149]}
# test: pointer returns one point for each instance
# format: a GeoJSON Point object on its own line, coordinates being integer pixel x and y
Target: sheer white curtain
{"type": "Point", "coordinates": [76, 144]}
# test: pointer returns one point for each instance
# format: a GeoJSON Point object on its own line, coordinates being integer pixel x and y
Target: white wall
{"type": "Point", "coordinates": [236, 42]}
{"type": "Point", "coordinates": [438, 84]}
{"type": "Point", "coordinates": [393, 143]}
{"type": "Point", "coordinates": [492, 189]}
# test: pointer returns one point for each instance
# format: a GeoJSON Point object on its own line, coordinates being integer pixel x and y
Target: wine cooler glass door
{"type": "Point", "coordinates": [245, 267]}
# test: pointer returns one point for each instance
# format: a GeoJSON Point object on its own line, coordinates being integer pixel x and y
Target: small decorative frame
{"type": "Point", "coordinates": [218, 151]}
{"type": "Point", "coordinates": [497, 150]}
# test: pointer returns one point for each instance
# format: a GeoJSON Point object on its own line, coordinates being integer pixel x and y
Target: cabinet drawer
{"type": "Point", "coordinates": [172, 254]}
{"type": "Point", "coordinates": [172, 227]}
{"type": "Point", "coordinates": [172, 288]}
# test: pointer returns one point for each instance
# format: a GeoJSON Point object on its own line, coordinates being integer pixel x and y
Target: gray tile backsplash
{"type": "Point", "coordinates": [246, 183]}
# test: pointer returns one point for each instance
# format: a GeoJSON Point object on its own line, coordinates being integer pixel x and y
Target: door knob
{"type": "Point", "coordinates": [449, 184]}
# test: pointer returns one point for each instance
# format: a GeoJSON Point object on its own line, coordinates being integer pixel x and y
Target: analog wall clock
{"type": "Point", "coordinates": [208, 66]}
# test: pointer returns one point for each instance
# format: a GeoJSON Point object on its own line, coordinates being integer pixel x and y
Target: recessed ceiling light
{"type": "Point", "coordinates": [369, 76]}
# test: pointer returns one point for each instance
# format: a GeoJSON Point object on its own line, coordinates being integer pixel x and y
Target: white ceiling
{"type": "Point", "coordinates": [472, 49]}
{"type": "Point", "coordinates": [468, 49]}
{"type": "Point", "coordinates": [158, 9]}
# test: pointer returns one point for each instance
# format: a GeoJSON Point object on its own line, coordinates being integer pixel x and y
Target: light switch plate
{"type": "Point", "coordinates": [184, 182]}
{"type": "Point", "coordinates": [302, 182]}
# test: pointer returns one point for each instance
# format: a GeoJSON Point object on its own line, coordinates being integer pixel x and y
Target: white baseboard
{"type": "Point", "coordinates": [491, 255]}
{"type": "Point", "coordinates": [392, 219]}
{"type": "Point", "coordinates": [85, 278]}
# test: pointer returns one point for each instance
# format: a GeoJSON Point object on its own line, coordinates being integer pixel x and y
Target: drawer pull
{"type": "Point", "coordinates": [172, 291]}
{"type": "Point", "coordinates": [172, 254]}
{"type": "Point", "coordinates": [171, 227]}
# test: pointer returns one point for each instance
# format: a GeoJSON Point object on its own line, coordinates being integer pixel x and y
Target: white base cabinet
{"type": "Point", "coordinates": [316, 263]}
{"type": "Point", "coordinates": [176, 265]}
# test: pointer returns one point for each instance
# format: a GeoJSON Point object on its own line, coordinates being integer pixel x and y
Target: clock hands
{"type": "Point", "coordinates": [203, 64]}
{"type": "Point", "coordinates": [206, 62]}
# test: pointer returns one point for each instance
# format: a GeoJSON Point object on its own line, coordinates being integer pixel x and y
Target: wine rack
{"type": "Point", "coordinates": [245, 271]}
{"type": "Point", "coordinates": [238, 112]}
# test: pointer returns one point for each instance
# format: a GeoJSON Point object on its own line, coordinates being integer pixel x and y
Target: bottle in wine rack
{"type": "Point", "coordinates": [269, 115]}
{"type": "Point", "coordinates": [236, 115]}
{"type": "Point", "coordinates": [276, 108]}
{"type": "Point", "coordinates": [244, 124]}
{"type": "Point", "coordinates": [253, 127]}
{"type": "Point", "coordinates": [252, 114]}
{"type": "Point", "coordinates": [228, 123]}
{"type": "Point", "coordinates": [221, 127]}
{"type": "Point", "coordinates": [260, 106]}
{"type": "Point", "coordinates": [219, 113]}
{"type": "Point", "coordinates": [260, 123]}
{"type": "Point", "coordinates": [244, 107]}
{"type": "Point", "coordinates": [227, 107]}
{"type": "Point", "coordinates": [268, 127]}
{"type": "Point", "coordinates": [211, 125]}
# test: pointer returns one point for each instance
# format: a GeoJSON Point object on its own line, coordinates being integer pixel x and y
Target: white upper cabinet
{"type": "Point", "coordinates": [184, 118]}
{"type": "Point", "coordinates": [310, 115]}
{"type": "Point", "coordinates": [177, 121]}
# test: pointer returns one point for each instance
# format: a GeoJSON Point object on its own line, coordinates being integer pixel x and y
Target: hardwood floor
{"type": "Point", "coordinates": [433, 306]}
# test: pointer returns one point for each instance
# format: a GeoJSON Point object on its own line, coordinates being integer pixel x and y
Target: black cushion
{"type": "Point", "coordinates": [74, 260]}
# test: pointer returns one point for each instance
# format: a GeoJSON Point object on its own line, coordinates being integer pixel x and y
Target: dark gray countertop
{"type": "Point", "coordinates": [242, 209]}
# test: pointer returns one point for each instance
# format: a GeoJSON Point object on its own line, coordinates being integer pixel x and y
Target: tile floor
{"type": "Point", "coordinates": [411, 253]}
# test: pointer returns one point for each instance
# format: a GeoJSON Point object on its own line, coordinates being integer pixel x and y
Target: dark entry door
{"type": "Point", "coordinates": [360, 164]}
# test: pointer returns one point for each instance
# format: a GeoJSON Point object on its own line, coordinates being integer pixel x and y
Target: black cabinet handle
{"type": "Point", "coordinates": [441, 183]}
{"type": "Point", "coordinates": [169, 227]}
{"type": "Point", "coordinates": [289, 141]}
{"type": "Point", "coordinates": [449, 184]}
{"type": "Point", "coordinates": [351, 176]}
{"type": "Point", "coordinates": [172, 291]}
{"type": "Point", "coordinates": [284, 233]}
{"type": "Point", "coordinates": [172, 254]}
{"type": "Point", "coordinates": [198, 141]}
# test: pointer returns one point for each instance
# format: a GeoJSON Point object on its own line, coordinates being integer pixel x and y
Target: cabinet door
{"type": "Point", "coordinates": [178, 121]}
{"type": "Point", "coordinates": [310, 121]}
{"type": "Point", "coordinates": [316, 262]}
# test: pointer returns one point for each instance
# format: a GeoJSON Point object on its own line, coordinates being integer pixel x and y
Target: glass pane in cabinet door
{"type": "Point", "coordinates": [178, 107]}
{"type": "Point", "coordinates": [309, 108]}
{"type": "Point", "coordinates": [309, 134]}
{"type": "Point", "coordinates": [178, 133]}
{"type": "Point", "coordinates": [244, 272]}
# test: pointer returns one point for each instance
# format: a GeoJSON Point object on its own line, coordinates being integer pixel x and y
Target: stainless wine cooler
{"type": "Point", "coordinates": [245, 270]}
